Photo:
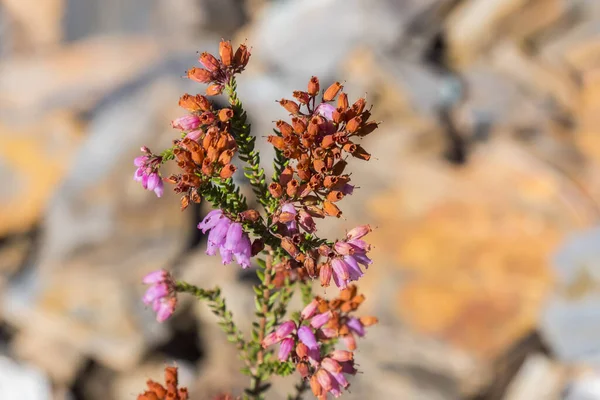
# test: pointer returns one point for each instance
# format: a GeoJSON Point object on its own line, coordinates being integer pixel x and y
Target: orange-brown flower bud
{"type": "Point", "coordinates": [304, 174]}
{"type": "Point", "coordinates": [368, 321]}
{"type": "Point", "coordinates": [209, 61]}
{"type": "Point", "coordinates": [290, 247]}
{"type": "Point", "coordinates": [185, 202]}
{"type": "Point", "coordinates": [359, 105]}
{"type": "Point", "coordinates": [340, 137]}
{"type": "Point", "coordinates": [277, 142]}
{"type": "Point", "coordinates": [319, 166]}
{"type": "Point", "coordinates": [291, 106]}
{"type": "Point", "coordinates": [299, 125]}
{"type": "Point", "coordinates": [342, 102]}
{"type": "Point", "coordinates": [285, 128]}
{"type": "Point", "coordinates": [199, 75]}
{"type": "Point", "coordinates": [195, 197]}
{"type": "Point", "coordinates": [225, 114]}
{"type": "Point", "coordinates": [353, 125]}
{"type": "Point", "coordinates": [223, 142]}
{"type": "Point", "coordinates": [332, 91]}
{"type": "Point", "coordinates": [227, 171]}
{"type": "Point", "coordinates": [157, 388]}
{"type": "Point", "coordinates": [337, 115]}
{"type": "Point", "coordinates": [325, 274]}
{"type": "Point", "coordinates": [183, 394]}
{"type": "Point", "coordinates": [361, 153]}
{"type": "Point", "coordinates": [214, 89]}
{"type": "Point", "coordinates": [349, 147]}
{"type": "Point", "coordinates": [327, 141]}
{"type": "Point", "coordinates": [330, 181]}
{"type": "Point", "coordinates": [313, 86]}
{"type": "Point", "coordinates": [171, 375]}
{"type": "Point", "coordinates": [313, 127]}
{"type": "Point", "coordinates": [292, 188]}
{"type": "Point", "coordinates": [302, 97]}
{"type": "Point", "coordinates": [198, 156]}
{"type": "Point", "coordinates": [242, 56]}
{"type": "Point", "coordinates": [194, 103]}
{"type": "Point", "coordinates": [301, 350]}
{"type": "Point", "coordinates": [207, 118]}
{"type": "Point", "coordinates": [302, 369]}
{"type": "Point", "coordinates": [331, 209]}
{"type": "Point", "coordinates": [207, 167]}
{"type": "Point", "coordinates": [250, 215]}
{"type": "Point", "coordinates": [286, 175]}
{"type": "Point", "coordinates": [310, 267]}
{"type": "Point", "coordinates": [226, 52]}
{"type": "Point", "coordinates": [149, 396]}
{"type": "Point", "coordinates": [225, 157]}
{"type": "Point", "coordinates": [276, 190]}
{"type": "Point", "coordinates": [335, 195]}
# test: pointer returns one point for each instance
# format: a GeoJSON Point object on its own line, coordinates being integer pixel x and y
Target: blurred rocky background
{"type": "Point", "coordinates": [484, 187]}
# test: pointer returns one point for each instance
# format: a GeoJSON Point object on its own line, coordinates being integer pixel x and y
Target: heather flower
{"type": "Point", "coordinates": [288, 213]}
{"type": "Point", "coordinates": [227, 237]}
{"type": "Point", "coordinates": [285, 348]}
{"type": "Point", "coordinates": [187, 122]}
{"type": "Point", "coordinates": [306, 336]}
{"type": "Point", "coordinates": [147, 172]}
{"type": "Point", "coordinates": [161, 294]}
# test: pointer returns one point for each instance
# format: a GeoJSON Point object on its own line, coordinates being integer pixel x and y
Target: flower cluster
{"type": "Point", "coordinates": [161, 294]}
{"type": "Point", "coordinates": [344, 258]}
{"type": "Point", "coordinates": [317, 140]}
{"type": "Point", "coordinates": [228, 237]}
{"type": "Point", "coordinates": [170, 391]}
{"type": "Point", "coordinates": [306, 342]}
{"type": "Point", "coordinates": [310, 178]}
{"type": "Point", "coordinates": [147, 171]}
{"type": "Point", "coordinates": [217, 73]}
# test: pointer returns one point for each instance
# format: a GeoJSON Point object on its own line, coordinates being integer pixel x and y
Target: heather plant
{"type": "Point", "coordinates": [281, 241]}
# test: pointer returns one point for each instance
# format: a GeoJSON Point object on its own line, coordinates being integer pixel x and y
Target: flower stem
{"type": "Point", "coordinates": [246, 143]}
{"type": "Point", "coordinates": [218, 307]}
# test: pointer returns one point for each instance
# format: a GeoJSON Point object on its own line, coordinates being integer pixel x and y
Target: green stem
{"type": "Point", "coordinates": [246, 143]}
{"type": "Point", "coordinates": [218, 307]}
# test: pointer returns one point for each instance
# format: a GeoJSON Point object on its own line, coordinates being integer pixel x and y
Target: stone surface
{"type": "Point", "coordinates": [34, 157]}
{"type": "Point", "coordinates": [21, 382]}
{"type": "Point", "coordinates": [76, 76]}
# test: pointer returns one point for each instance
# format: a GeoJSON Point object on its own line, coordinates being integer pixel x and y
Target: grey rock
{"type": "Point", "coordinates": [312, 37]}
{"type": "Point", "coordinates": [570, 322]}
{"type": "Point", "coordinates": [21, 382]}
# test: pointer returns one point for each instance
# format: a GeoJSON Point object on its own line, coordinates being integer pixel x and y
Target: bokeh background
{"type": "Point", "coordinates": [484, 187]}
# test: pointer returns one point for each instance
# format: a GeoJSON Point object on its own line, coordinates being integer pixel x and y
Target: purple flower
{"type": "Point", "coordinates": [285, 348]}
{"type": "Point", "coordinates": [161, 294]}
{"type": "Point", "coordinates": [194, 135]}
{"type": "Point", "coordinates": [306, 336]}
{"type": "Point", "coordinates": [228, 237]}
{"type": "Point", "coordinates": [186, 123]}
{"type": "Point", "coordinates": [356, 326]}
{"type": "Point", "coordinates": [210, 220]}
{"type": "Point", "coordinates": [353, 268]}
{"type": "Point", "coordinates": [358, 232]}
{"type": "Point", "coordinates": [310, 309]}
{"type": "Point", "coordinates": [341, 273]}
{"type": "Point", "coordinates": [147, 172]}
{"type": "Point", "coordinates": [234, 236]}
{"type": "Point", "coordinates": [325, 110]}
{"type": "Point", "coordinates": [285, 329]}
{"type": "Point", "coordinates": [291, 224]}
{"type": "Point", "coordinates": [320, 319]}
{"type": "Point", "coordinates": [307, 222]}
